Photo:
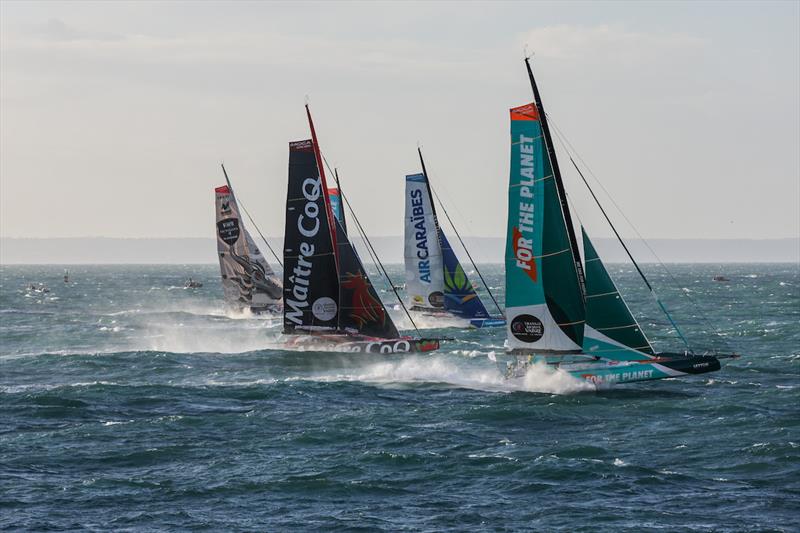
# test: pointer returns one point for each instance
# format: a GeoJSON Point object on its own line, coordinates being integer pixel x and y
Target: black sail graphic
{"type": "Point", "coordinates": [310, 280]}
{"type": "Point", "coordinates": [361, 309]}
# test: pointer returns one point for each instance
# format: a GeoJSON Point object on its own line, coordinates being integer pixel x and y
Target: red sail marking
{"type": "Point", "coordinates": [222, 190]}
{"type": "Point", "coordinates": [525, 112]}
{"type": "Point", "coordinates": [366, 308]}
{"type": "Point", "coordinates": [318, 157]}
{"type": "Point", "coordinates": [516, 235]}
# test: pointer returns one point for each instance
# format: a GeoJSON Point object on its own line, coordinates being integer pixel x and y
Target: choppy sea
{"type": "Point", "coordinates": [130, 403]}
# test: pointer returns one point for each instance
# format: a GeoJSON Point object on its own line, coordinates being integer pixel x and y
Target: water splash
{"type": "Point", "coordinates": [442, 369]}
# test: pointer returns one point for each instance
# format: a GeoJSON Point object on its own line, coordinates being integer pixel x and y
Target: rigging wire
{"type": "Point", "coordinates": [335, 173]}
{"type": "Point", "coordinates": [570, 149]}
{"type": "Point", "coordinates": [444, 210]}
{"type": "Point", "coordinates": [378, 261]}
{"type": "Point", "coordinates": [249, 217]}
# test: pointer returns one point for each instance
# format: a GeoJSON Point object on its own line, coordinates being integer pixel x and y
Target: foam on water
{"type": "Point", "coordinates": [451, 371]}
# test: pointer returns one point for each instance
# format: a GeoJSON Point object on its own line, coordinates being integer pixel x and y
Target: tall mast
{"type": "Point", "coordinates": [562, 195]}
{"type": "Point", "coordinates": [320, 167]}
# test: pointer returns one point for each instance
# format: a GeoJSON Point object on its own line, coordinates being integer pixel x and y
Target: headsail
{"type": "Point", "coordinates": [544, 300]}
{"type": "Point", "coordinates": [460, 297]}
{"type": "Point", "coordinates": [360, 307]}
{"type": "Point", "coordinates": [423, 252]}
{"type": "Point", "coordinates": [310, 280]}
{"type": "Point", "coordinates": [611, 330]}
{"type": "Point", "coordinates": [247, 278]}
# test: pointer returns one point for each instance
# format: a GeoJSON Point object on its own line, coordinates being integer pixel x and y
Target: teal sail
{"type": "Point", "coordinates": [611, 330]}
{"type": "Point", "coordinates": [544, 299]}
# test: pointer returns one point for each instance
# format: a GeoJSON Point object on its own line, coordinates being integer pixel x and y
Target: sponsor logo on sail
{"type": "Point", "coordinates": [308, 225]}
{"type": "Point", "coordinates": [324, 308]}
{"type": "Point", "coordinates": [436, 299]}
{"type": "Point", "coordinates": [420, 235]}
{"type": "Point", "coordinates": [229, 230]}
{"type": "Point", "coordinates": [527, 328]}
{"type": "Point", "coordinates": [522, 233]}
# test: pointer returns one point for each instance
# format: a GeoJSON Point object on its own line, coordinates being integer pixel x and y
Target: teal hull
{"type": "Point", "coordinates": [661, 367]}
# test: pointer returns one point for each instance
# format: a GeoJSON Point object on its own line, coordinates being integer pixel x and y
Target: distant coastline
{"type": "Point", "coordinates": [107, 250]}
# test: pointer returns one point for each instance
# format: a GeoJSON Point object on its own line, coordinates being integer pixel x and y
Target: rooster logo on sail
{"type": "Point", "coordinates": [365, 308]}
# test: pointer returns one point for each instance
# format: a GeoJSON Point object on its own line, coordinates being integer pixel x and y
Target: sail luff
{"type": "Point", "coordinates": [562, 195]}
{"type": "Point", "coordinates": [321, 170]}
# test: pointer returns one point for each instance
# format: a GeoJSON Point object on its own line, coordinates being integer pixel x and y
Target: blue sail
{"type": "Point", "coordinates": [460, 297]}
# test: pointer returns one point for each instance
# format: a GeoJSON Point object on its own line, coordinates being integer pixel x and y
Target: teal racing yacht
{"type": "Point", "coordinates": [560, 310]}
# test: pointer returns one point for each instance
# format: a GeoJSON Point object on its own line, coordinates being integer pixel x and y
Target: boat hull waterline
{"type": "Point", "coordinates": [605, 372]}
{"type": "Point", "coordinates": [359, 344]}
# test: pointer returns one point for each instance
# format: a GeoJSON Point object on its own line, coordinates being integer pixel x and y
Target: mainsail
{"type": "Point", "coordinates": [311, 286]}
{"type": "Point", "coordinates": [423, 252]}
{"type": "Point", "coordinates": [544, 300]}
{"type": "Point", "coordinates": [247, 279]}
{"type": "Point", "coordinates": [611, 330]}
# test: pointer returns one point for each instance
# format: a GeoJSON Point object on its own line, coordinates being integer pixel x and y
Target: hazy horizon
{"type": "Point", "coordinates": [484, 250]}
{"type": "Point", "coordinates": [114, 117]}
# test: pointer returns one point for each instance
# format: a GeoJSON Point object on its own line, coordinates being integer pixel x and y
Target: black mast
{"type": "Point", "coordinates": [562, 195]}
{"type": "Point", "coordinates": [435, 218]}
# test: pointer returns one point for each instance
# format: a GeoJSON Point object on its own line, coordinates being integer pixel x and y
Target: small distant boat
{"type": "Point", "coordinates": [720, 278]}
{"type": "Point", "coordinates": [436, 283]}
{"type": "Point", "coordinates": [192, 284]}
{"type": "Point", "coordinates": [562, 311]}
{"type": "Point", "coordinates": [66, 276]}
{"type": "Point", "coordinates": [40, 288]}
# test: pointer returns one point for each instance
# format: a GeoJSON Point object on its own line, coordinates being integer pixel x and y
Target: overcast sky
{"type": "Point", "coordinates": [114, 116]}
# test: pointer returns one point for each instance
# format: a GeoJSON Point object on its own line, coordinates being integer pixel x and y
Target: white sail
{"type": "Point", "coordinates": [247, 279]}
{"type": "Point", "coordinates": [423, 252]}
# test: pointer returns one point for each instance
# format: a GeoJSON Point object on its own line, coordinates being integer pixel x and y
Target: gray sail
{"type": "Point", "coordinates": [247, 279]}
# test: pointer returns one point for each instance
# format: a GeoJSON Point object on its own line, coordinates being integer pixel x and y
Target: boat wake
{"type": "Point", "coordinates": [446, 370]}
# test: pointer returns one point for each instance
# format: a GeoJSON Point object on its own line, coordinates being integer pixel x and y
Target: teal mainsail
{"type": "Point", "coordinates": [544, 301]}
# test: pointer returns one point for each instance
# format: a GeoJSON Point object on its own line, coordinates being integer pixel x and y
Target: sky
{"type": "Point", "coordinates": [114, 116]}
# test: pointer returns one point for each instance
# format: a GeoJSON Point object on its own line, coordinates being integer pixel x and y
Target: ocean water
{"type": "Point", "coordinates": [129, 403]}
